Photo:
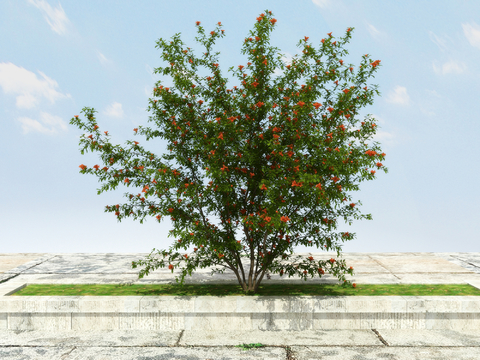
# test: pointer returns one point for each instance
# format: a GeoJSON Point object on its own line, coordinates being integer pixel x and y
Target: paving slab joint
{"type": "Point", "coordinates": [65, 355]}
{"type": "Point", "coordinates": [179, 337]}
{"type": "Point", "coordinates": [380, 337]}
{"type": "Point", "coordinates": [290, 353]}
{"type": "Point", "coordinates": [7, 279]}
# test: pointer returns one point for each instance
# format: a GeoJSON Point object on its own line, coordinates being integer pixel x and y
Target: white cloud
{"type": "Point", "coordinates": [114, 110]}
{"type": "Point", "coordinates": [451, 67]}
{"type": "Point", "coordinates": [382, 137]}
{"type": "Point", "coordinates": [287, 60]}
{"type": "Point", "coordinates": [434, 93]}
{"type": "Point", "coordinates": [372, 30]}
{"type": "Point", "coordinates": [399, 96]}
{"type": "Point", "coordinates": [472, 33]}
{"type": "Point", "coordinates": [150, 71]}
{"type": "Point", "coordinates": [55, 122]}
{"type": "Point", "coordinates": [438, 41]}
{"type": "Point", "coordinates": [321, 3]}
{"type": "Point", "coordinates": [425, 111]}
{"type": "Point", "coordinates": [148, 92]}
{"type": "Point", "coordinates": [17, 80]}
{"type": "Point", "coordinates": [102, 58]}
{"type": "Point", "coordinates": [56, 18]}
{"type": "Point", "coordinates": [375, 33]}
{"type": "Point", "coordinates": [26, 101]}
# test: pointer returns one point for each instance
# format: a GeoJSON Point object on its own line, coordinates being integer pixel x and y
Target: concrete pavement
{"type": "Point", "coordinates": [398, 344]}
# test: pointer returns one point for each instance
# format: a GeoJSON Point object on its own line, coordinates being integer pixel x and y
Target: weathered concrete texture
{"type": "Point", "coordinates": [372, 268]}
{"type": "Point", "coordinates": [200, 353]}
{"type": "Point", "coordinates": [370, 344]}
{"type": "Point", "coordinates": [326, 344]}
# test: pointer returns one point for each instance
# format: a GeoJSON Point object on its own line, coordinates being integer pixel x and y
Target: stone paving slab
{"type": "Point", "coordinates": [10, 261]}
{"type": "Point", "coordinates": [371, 268]}
{"type": "Point", "coordinates": [368, 267]}
{"type": "Point", "coordinates": [228, 353]}
{"type": "Point", "coordinates": [325, 344]}
{"type": "Point", "coordinates": [139, 338]}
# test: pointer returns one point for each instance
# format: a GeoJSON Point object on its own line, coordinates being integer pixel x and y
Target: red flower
{"type": "Point", "coordinates": [198, 23]}
{"type": "Point", "coordinates": [273, 21]}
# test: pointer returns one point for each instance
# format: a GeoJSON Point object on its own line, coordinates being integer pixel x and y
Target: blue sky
{"type": "Point", "coordinates": [59, 57]}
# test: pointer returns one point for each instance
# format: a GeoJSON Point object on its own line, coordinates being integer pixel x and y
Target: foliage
{"type": "Point", "coordinates": [279, 160]}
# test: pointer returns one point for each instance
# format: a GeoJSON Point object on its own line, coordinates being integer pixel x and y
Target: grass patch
{"type": "Point", "coordinates": [236, 290]}
{"type": "Point", "coordinates": [249, 346]}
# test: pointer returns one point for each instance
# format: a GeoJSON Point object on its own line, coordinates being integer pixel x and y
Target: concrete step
{"type": "Point", "coordinates": [229, 313]}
